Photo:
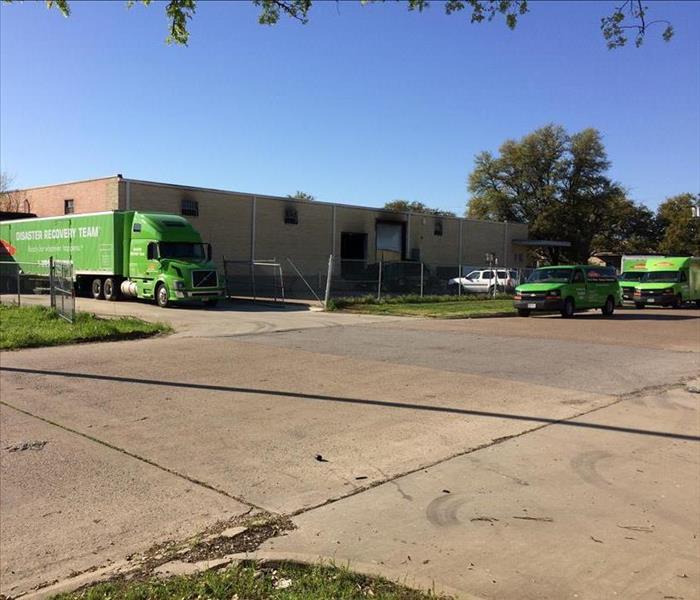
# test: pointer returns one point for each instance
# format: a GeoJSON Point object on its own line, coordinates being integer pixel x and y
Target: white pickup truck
{"type": "Point", "coordinates": [482, 282]}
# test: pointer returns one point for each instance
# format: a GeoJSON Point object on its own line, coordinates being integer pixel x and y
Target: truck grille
{"type": "Point", "coordinates": [204, 279]}
{"type": "Point", "coordinates": [532, 295]}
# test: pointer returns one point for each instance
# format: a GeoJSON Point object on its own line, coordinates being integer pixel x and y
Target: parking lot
{"type": "Point", "coordinates": [493, 458]}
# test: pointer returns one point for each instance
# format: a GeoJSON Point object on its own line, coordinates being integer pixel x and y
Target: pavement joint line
{"type": "Point", "coordinates": [495, 442]}
{"type": "Point", "coordinates": [369, 402]}
{"type": "Point", "coordinates": [149, 462]}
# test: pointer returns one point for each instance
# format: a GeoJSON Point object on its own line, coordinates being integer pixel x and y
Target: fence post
{"type": "Point", "coordinates": [19, 273]}
{"type": "Point", "coordinates": [52, 298]}
{"type": "Point", "coordinates": [327, 297]}
{"type": "Point", "coordinates": [421, 279]}
{"type": "Point", "coordinates": [223, 258]}
{"type": "Point", "coordinates": [379, 281]}
{"type": "Point", "coordinates": [459, 287]}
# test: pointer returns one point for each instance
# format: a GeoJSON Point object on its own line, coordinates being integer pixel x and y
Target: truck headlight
{"type": "Point", "coordinates": [179, 285]}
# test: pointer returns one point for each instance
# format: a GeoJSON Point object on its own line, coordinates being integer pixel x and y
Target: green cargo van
{"type": "Point", "coordinates": [669, 281]}
{"type": "Point", "coordinates": [568, 289]}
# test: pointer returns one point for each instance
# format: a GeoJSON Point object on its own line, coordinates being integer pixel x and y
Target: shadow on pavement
{"type": "Point", "coordinates": [360, 401]}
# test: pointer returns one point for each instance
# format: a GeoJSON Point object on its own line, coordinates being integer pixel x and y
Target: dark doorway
{"type": "Point", "coordinates": [353, 246]}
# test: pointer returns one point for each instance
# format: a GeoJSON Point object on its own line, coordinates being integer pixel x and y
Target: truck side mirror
{"type": "Point", "coordinates": [209, 252]}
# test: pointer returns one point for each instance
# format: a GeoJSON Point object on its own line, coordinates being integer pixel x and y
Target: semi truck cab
{"type": "Point", "coordinates": [169, 262]}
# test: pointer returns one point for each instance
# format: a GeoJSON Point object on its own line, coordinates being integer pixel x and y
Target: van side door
{"type": "Point", "coordinates": [578, 284]}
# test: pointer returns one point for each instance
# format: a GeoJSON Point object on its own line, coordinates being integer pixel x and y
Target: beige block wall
{"type": "Point", "coordinates": [95, 195]}
{"type": "Point", "coordinates": [225, 221]}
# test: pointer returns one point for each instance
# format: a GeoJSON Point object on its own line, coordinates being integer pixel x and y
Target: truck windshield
{"type": "Point", "coordinates": [632, 276]}
{"type": "Point", "coordinates": [661, 276]}
{"type": "Point", "coordinates": [182, 250]}
{"type": "Point", "coordinates": [553, 275]}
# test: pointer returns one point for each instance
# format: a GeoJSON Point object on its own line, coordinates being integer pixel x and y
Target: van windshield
{"type": "Point", "coordinates": [552, 275]}
{"type": "Point", "coordinates": [182, 250]}
{"type": "Point", "coordinates": [632, 276]}
{"type": "Point", "coordinates": [661, 276]}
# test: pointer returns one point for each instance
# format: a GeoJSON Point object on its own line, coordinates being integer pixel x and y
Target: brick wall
{"type": "Point", "coordinates": [95, 195]}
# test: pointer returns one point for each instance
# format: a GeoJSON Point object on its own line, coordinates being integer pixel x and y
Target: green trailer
{"type": "Point", "coordinates": [669, 281]}
{"type": "Point", "coordinates": [118, 254]}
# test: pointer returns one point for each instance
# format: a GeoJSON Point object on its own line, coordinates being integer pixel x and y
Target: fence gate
{"type": "Point", "coordinates": [62, 289]}
{"type": "Point", "coordinates": [257, 280]}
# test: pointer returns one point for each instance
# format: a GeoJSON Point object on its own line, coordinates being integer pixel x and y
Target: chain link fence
{"type": "Point", "coordinates": [322, 279]}
{"type": "Point", "coordinates": [48, 282]}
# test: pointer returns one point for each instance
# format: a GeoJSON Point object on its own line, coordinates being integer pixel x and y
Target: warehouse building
{"type": "Point", "coordinates": [244, 227]}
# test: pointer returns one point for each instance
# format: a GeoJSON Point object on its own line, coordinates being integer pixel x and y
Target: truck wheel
{"type": "Point", "coordinates": [523, 312]}
{"type": "Point", "coordinates": [609, 307]}
{"type": "Point", "coordinates": [162, 295]}
{"type": "Point", "coordinates": [110, 288]}
{"type": "Point", "coordinates": [97, 288]}
{"type": "Point", "coordinates": [568, 311]}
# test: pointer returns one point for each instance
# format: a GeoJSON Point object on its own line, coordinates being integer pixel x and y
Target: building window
{"type": "Point", "coordinates": [438, 228]}
{"type": "Point", "coordinates": [189, 207]}
{"type": "Point", "coordinates": [291, 216]}
{"type": "Point", "coordinates": [68, 207]}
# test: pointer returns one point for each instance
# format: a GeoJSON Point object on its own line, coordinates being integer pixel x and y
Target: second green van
{"type": "Point", "coordinates": [568, 289]}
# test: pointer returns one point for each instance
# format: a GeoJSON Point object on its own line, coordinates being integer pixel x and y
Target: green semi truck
{"type": "Point", "coordinates": [118, 254]}
{"type": "Point", "coordinates": [669, 281]}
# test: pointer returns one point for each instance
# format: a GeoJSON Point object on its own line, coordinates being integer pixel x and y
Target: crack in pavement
{"type": "Point", "coordinates": [143, 459]}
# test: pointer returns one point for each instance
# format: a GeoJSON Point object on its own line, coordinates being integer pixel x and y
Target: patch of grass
{"type": "Point", "coordinates": [35, 326]}
{"type": "Point", "coordinates": [442, 307]}
{"type": "Point", "coordinates": [251, 581]}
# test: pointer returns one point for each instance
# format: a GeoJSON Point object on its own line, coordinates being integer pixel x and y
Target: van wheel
{"type": "Point", "coordinates": [523, 312]}
{"type": "Point", "coordinates": [162, 295]}
{"type": "Point", "coordinates": [568, 311]}
{"type": "Point", "coordinates": [490, 291]}
{"type": "Point", "coordinates": [111, 289]}
{"type": "Point", "coordinates": [97, 288]}
{"type": "Point", "coordinates": [609, 307]}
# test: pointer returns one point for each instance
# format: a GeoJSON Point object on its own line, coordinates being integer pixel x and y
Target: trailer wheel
{"type": "Point", "coordinates": [162, 295]}
{"type": "Point", "coordinates": [110, 288]}
{"type": "Point", "coordinates": [97, 288]}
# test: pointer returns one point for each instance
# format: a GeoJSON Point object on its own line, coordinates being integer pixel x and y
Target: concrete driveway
{"type": "Point", "coordinates": [506, 443]}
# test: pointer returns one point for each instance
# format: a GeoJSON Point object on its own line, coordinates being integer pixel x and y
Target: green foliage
{"type": "Point", "coordinates": [298, 195]}
{"type": "Point", "coordinates": [416, 207]}
{"type": "Point", "coordinates": [613, 26]}
{"type": "Point", "coordinates": [681, 231]}
{"type": "Point", "coordinates": [249, 581]}
{"type": "Point", "coordinates": [35, 326]}
{"type": "Point", "coordinates": [557, 183]}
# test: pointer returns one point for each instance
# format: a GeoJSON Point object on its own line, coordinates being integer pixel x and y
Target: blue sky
{"type": "Point", "coordinates": [362, 105]}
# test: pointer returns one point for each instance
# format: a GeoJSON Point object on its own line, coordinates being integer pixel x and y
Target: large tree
{"type": "Point", "coordinates": [416, 207]}
{"type": "Point", "coordinates": [627, 16]}
{"type": "Point", "coordinates": [12, 199]}
{"type": "Point", "coordinates": [555, 182]}
{"type": "Point", "coordinates": [681, 229]}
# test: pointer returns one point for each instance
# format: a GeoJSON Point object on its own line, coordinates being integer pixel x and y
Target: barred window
{"type": "Point", "coordinates": [68, 207]}
{"type": "Point", "coordinates": [189, 207]}
{"type": "Point", "coordinates": [291, 216]}
{"type": "Point", "coordinates": [438, 228]}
